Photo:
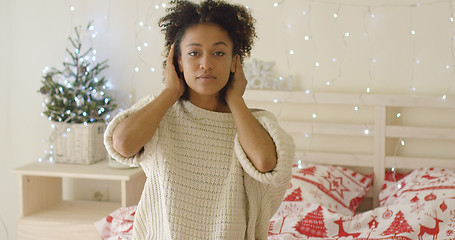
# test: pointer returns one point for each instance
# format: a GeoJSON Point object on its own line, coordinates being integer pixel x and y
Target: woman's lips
{"type": "Point", "coordinates": [206, 77]}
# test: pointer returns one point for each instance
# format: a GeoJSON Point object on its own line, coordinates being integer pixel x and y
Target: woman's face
{"type": "Point", "coordinates": [206, 59]}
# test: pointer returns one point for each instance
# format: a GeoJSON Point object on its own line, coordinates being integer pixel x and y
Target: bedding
{"type": "Point", "coordinates": [309, 209]}
{"type": "Point", "coordinates": [424, 184]}
{"type": "Point", "coordinates": [335, 188]}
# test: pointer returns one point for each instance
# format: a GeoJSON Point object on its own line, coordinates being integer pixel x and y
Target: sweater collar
{"type": "Point", "coordinates": [200, 113]}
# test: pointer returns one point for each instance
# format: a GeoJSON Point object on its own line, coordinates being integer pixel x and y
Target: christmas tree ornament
{"type": "Point", "coordinates": [67, 72]}
{"type": "Point", "coordinates": [97, 95]}
{"type": "Point", "coordinates": [80, 100]}
{"type": "Point", "coordinates": [47, 100]}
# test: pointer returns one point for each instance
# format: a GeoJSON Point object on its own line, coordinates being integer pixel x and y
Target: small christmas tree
{"type": "Point", "coordinates": [77, 94]}
{"type": "Point", "coordinates": [399, 225]}
{"type": "Point", "coordinates": [296, 195]}
{"type": "Point", "coordinates": [312, 225]}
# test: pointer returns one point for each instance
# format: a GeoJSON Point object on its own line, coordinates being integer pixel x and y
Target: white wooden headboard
{"type": "Point", "coordinates": [380, 124]}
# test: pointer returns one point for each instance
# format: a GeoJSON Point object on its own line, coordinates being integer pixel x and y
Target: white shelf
{"type": "Point", "coordinates": [75, 212]}
{"type": "Point", "coordinates": [45, 215]}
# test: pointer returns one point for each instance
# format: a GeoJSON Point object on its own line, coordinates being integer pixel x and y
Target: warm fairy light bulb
{"type": "Point", "coordinates": [291, 52]}
{"type": "Point", "coordinates": [141, 23]}
{"type": "Point", "coordinates": [72, 8]}
{"type": "Point", "coordinates": [152, 69]}
{"type": "Point", "coordinates": [444, 97]}
{"type": "Point", "coordinates": [307, 91]}
{"type": "Point", "coordinates": [314, 115]}
{"type": "Point", "coordinates": [347, 34]}
{"type": "Point", "coordinates": [335, 15]}
{"type": "Point", "coordinates": [447, 66]}
{"type": "Point", "coordinates": [136, 69]}
{"type": "Point", "coordinates": [275, 100]}
{"type": "Point", "coordinates": [163, 5]}
{"type": "Point", "coordinates": [146, 44]}
{"type": "Point", "coordinates": [413, 32]}
{"type": "Point", "coordinates": [356, 108]}
{"type": "Point", "coordinates": [398, 115]}
{"type": "Point", "coordinates": [316, 64]}
{"type": "Point", "coordinates": [417, 61]}
{"type": "Point", "coordinates": [368, 90]}
{"type": "Point", "coordinates": [306, 37]}
{"type": "Point", "coordinates": [373, 60]}
{"type": "Point", "coordinates": [451, 19]}
{"type": "Point", "coordinates": [402, 142]}
{"type": "Point", "coordinates": [157, 6]}
{"type": "Point", "coordinates": [334, 59]}
{"type": "Point", "coordinates": [366, 131]}
{"type": "Point", "coordinates": [372, 15]}
{"type": "Point", "coordinates": [275, 4]}
{"type": "Point", "coordinates": [304, 12]}
{"type": "Point", "coordinates": [328, 83]}
{"type": "Point", "coordinates": [413, 89]}
{"type": "Point", "coordinates": [139, 48]}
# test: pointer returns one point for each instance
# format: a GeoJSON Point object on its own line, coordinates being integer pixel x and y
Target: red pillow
{"type": "Point", "coordinates": [338, 189]}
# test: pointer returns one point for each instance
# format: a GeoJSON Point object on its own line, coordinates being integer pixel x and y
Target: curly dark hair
{"type": "Point", "coordinates": [234, 18]}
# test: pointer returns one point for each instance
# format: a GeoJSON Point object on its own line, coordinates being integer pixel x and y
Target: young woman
{"type": "Point", "coordinates": [215, 169]}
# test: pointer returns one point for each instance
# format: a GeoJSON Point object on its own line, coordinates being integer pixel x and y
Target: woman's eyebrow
{"type": "Point", "coordinates": [199, 45]}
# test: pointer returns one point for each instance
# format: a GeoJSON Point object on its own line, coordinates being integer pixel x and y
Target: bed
{"type": "Point", "coordinates": [367, 167]}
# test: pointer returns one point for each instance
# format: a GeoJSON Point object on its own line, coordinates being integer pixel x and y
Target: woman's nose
{"type": "Point", "coordinates": [206, 62]}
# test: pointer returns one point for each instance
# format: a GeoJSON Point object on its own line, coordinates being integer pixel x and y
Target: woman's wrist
{"type": "Point", "coordinates": [235, 102]}
{"type": "Point", "coordinates": [170, 95]}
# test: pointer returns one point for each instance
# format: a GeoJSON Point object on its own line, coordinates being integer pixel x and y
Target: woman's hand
{"type": "Point", "coordinates": [172, 81]}
{"type": "Point", "coordinates": [237, 87]}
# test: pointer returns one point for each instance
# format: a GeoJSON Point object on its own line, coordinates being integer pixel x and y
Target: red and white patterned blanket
{"type": "Point", "coordinates": [321, 202]}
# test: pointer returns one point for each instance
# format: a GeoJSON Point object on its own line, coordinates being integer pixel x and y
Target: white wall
{"type": "Point", "coordinates": [7, 214]}
{"type": "Point", "coordinates": [33, 35]}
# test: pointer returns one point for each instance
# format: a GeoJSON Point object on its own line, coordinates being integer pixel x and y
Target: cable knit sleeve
{"type": "Point", "coordinates": [265, 191]}
{"type": "Point", "coordinates": [108, 135]}
{"type": "Point", "coordinates": [284, 147]}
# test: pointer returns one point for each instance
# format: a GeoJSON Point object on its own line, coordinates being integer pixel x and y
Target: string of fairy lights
{"type": "Point", "coordinates": [147, 13]}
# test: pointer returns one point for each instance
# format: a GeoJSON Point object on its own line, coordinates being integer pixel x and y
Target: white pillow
{"type": "Point", "coordinates": [338, 189]}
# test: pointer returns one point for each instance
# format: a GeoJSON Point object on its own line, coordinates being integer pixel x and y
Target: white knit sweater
{"type": "Point", "coordinates": [200, 183]}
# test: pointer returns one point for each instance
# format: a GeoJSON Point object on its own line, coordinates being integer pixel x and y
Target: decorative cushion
{"type": "Point", "coordinates": [421, 185]}
{"type": "Point", "coordinates": [338, 189]}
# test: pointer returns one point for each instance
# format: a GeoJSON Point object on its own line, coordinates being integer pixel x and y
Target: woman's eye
{"type": "Point", "coordinates": [194, 53]}
{"type": "Point", "coordinates": [219, 53]}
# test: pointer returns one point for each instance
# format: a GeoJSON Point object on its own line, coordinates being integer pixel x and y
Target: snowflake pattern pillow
{"type": "Point", "coordinates": [421, 185]}
{"type": "Point", "coordinates": [338, 189]}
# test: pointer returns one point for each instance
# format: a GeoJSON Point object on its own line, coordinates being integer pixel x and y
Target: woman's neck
{"type": "Point", "coordinates": [211, 103]}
